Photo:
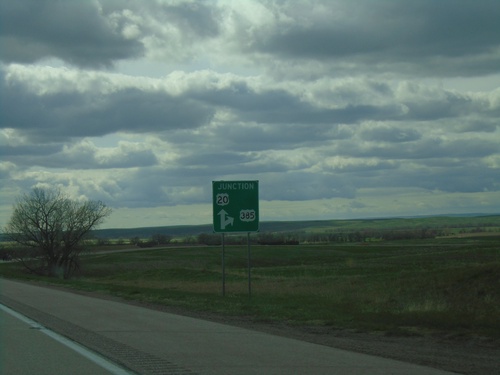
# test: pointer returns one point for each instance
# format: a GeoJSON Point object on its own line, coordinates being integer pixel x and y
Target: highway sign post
{"type": "Point", "coordinates": [235, 209]}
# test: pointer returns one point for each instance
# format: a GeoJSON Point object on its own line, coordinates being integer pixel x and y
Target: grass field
{"type": "Point", "coordinates": [449, 286]}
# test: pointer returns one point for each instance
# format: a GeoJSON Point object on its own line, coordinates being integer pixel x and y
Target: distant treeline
{"type": "Point", "coordinates": [289, 238]}
{"type": "Point", "coordinates": [8, 251]}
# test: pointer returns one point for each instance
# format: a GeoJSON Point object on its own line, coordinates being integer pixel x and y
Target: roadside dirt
{"type": "Point", "coordinates": [464, 356]}
{"type": "Point", "coordinates": [459, 354]}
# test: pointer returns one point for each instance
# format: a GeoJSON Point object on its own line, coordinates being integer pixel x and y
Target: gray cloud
{"type": "Point", "coordinates": [483, 125]}
{"type": "Point", "coordinates": [74, 31]}
{"type": "Point", "coordinates": [200, 19]}
{"type": "Point", "coordinates": [79, 156]}
{"type": "Point", "coordinates": [435, 108]}
{"type": "Point", "coordinates": [424, 37]}
{"type": "Point", "coordinates": [220, 159]}
{"type": "Point", "coordinates": [258, 137]}
{"type": "Point", "coordinates": [390, 134]}
{"type": "Point", "coordinates": [31, 150]}
{"type": "Point", "coordinates": [425, 148]}
{"type": "Point", "coordinates": [63, 115]}
{"type": "Point", "coordinates": [280, 106]}
{"type": "Point", "coordinates": [466, 178]}
{"type": "Point", "coordinates": [298, 186]}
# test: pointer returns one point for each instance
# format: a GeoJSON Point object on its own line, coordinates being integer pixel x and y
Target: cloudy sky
{"type": "Point", "coordinates": [340, 108]}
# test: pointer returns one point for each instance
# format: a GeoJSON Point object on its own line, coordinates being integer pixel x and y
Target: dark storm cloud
{"type": "Point", "coordinates": [218, 159]}
{"type": "Point", "coordinates": [435, 107]}
{"type": "Point", "coordinates": [197, 166]}
{"type": "Point", "coordinates": [88, 158]}
{"type": "Point", "coordinates": [390, 134]}
{"type": "Point", "coordinates": [62, 115]}
{"type": "Point", "coordinates": [260, 137]}
{"type": "Point", "coordinates": [483, 125]}
{"type": "Point", "coordinates": [280, 106]}
{"type": "Point", "coordinates": [425, 148]}
{"type": "Point", "coordinates": [364, 168]}
{"type": "Point", "coordinates": [31, 150]}
{"type": "Point", "coordinates": [78, 156]}
{"type": "Point", "coordinates": [73, 31]}
{"type": "Point", "coordinates": [446, 37]}
{"type": "Point", "coordinates": [139, 111]}
{"type": "Point", "coordinates": [433, 175]}
{"type": "Point", "coordinates": [467, 177]}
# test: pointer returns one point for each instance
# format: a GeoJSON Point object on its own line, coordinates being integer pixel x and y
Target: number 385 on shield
{"type": "Point", "coordinates": [247, 215]}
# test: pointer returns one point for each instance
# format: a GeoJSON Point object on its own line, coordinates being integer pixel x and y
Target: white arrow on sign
{"type": "Point", "coordinates": [225, 220]}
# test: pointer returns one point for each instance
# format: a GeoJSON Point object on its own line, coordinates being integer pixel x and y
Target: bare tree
{"type": "Point", "coordinates": [55, 227]}
{"type": "Point", "coordinates": [161, 239]}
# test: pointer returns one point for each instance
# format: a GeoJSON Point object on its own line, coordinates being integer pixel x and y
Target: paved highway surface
{"type": "Point", "coordinates": [26, 347]}
{"type": "Point", "coordinates": [152, 342]}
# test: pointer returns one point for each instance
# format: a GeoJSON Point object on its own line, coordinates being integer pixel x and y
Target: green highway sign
{"type": "Point", "coordinates": [235, 206]}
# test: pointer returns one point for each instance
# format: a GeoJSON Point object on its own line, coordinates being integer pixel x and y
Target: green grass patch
{"type": "Point", "coordinates": [443, 285]}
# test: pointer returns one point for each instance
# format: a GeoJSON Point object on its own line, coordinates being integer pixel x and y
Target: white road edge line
{"type": "Point", "coordinates": [97, 359]}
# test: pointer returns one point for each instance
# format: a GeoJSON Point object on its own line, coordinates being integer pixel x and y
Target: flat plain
{"type": "Point", "coordinates": [404, 287]}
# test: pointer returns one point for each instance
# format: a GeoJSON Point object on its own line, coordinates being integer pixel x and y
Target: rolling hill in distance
{"type": "Point", "coordinates": [321, 226]}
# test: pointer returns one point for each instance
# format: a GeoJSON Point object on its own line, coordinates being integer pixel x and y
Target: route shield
{"type": "Point", "coordinates": [235, 206]}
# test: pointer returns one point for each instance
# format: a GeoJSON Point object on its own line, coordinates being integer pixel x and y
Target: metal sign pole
{"type": "Point", "coordinates": [249, 267]}
{"type": "Point", "coordinates": [223, 268]}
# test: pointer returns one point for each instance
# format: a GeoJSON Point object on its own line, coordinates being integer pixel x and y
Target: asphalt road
{"type": "Point", "coordinates": [26, 347]}
{"type": "Point", "coordinates": [152, 342]}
